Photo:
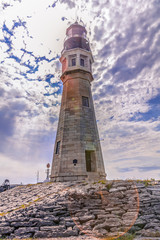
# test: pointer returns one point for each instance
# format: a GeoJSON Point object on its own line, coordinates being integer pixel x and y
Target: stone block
{"type": "Point", "coordinates": [4, 224]}
{"type": "Point", "coordinates": [6, 230]}
{"type": "Point", "coordinates": [70, 233]}
{"type": "Point", "coordinates": [86, 218]}
{"type": "Point", "coordinates": [21, 224]}
{"type": "Point", "coordinates": [69, 224]}
{"type": "Point", "coordinates": [53, 228]}
{"type": "Point", "coordinates": [42, 234]}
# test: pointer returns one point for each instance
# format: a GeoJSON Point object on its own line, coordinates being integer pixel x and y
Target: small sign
{"type": "Point", "coordinates": [48, 165]}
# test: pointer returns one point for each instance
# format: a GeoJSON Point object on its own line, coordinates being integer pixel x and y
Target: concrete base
{"type": "Point", "coordinates": [95, 176]}
{"type": "Point", "coordinates": [91, 176]}
{"type": "Point", "coordinates": [68, 178]}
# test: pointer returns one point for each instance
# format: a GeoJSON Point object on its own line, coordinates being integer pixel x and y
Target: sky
{"type": "Point", "coordinates": [125, 41]}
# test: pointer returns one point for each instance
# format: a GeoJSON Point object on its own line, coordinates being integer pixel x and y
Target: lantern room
{"type": "Point", "coordinates": [76, 53]}
{"type": "Point", "coordinates": [76, 37]}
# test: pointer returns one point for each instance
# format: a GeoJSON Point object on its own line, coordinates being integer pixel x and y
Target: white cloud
{"type": "Point", "coordinates": [20, 172]}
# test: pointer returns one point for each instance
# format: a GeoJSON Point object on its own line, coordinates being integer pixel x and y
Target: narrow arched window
{"type": "Point", "coordinates": [58, 147]}
{"type": "Point", "coordinates": [85, 101]}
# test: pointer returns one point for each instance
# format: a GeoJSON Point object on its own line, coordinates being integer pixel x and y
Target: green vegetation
{"type": "Point", "coordinates": [32, 184]}
{"type": "Point", "coordinates": [102, 181]}
{"type": "Point", "coordinates": [28, 185]}
{"type": "Point", "coordinates": [2, 238]}
{"type": "Point", "coordinates": [130, 180]}
{"type": "Point", "coordinates": [48, 183]}
{"type": "Point", "coordinates": [156, 234]}
{"type": "Point", "coordinates": [23, 206]}
{"type": "Point", "coordinates": [126, 237]}
{"type": "Point", "coordinates": [2, 214]}
{"type": "Point", "coordinates": [109, 185]}
{"type": "Point", "coordinates": [36, 200]}
{"type": "Point", "coordinates": [146, 182]}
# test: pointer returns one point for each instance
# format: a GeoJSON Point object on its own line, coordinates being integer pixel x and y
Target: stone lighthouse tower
{"type": "Point", "coordinates": [77, 151]}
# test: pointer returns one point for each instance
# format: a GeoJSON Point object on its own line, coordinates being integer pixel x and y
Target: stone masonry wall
{"type": "Point", "coordinates": [98, 210]}
{"type": "Point", "coordinates": [77, 132]}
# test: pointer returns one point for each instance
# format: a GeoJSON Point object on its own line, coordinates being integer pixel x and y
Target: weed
{"type": "Point", "coordinates": [146, 182]}
{"type": "Point", "coordinates": [127, 237]}
{"type": "Point", "coordinates": [37, 199]}
{"type": "Point", "coordinates": [102, 181]}
{"type": "Point", "coordinates": [130, 180]}
{"type": "Point", "coordinates": [156, 234]}
{"type": "Point", "coordinates": [109, 185]}
{"type": "Point", "coordinates": [29, 185]}
{"type": "Point", "coordinates": [2, 214]}
{"type": "Point", "coordinates": [23, 206]}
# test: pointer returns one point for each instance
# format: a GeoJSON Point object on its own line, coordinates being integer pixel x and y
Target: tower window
{"type": "Point", "coordinates": [58, 147]}
{"type": "Point", "coordinates": [73, 61]}
{"type": "Point", "coordinates": [82, 62]}
{"type": "Point", "coordinates": [85, 101]}
{"type": "Point", "coordinates": [90, 63]}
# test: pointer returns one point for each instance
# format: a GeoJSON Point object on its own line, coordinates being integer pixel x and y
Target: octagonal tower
{"type": "Point", "coordinates": [77, 151]}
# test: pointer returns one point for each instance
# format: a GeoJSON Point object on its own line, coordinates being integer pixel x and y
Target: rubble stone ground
{"type": "Point", "coordinates": [84, 210]}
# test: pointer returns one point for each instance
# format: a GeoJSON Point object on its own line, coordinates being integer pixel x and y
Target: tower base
{"type": "Point", "coordinates": [91, 176]}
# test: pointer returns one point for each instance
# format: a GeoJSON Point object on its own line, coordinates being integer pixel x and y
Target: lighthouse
{"type": "Point", "coordinates": [77, 151]}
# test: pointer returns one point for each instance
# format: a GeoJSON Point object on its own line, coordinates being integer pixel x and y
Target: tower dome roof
{"type": "Point", "coordinates": [76, 28]}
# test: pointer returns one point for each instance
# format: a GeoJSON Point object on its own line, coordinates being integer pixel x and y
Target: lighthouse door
{"type": "Point", "coordinates": [90, 161]}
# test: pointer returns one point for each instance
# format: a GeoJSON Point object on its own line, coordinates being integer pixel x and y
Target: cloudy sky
{"type": "Point", "coordinates": [125, 41]}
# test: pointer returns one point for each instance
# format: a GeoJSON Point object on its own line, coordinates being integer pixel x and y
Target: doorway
{"type": "Point", "coordinates": [90, 161]}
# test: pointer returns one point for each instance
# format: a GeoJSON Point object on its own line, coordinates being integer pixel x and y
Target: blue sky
{"type": "Point", "coordinates": [125, 41]}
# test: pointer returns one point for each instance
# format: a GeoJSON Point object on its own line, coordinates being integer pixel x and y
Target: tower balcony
{"type": "Point", "coordinates": [76, 59]}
